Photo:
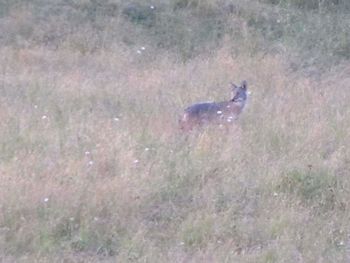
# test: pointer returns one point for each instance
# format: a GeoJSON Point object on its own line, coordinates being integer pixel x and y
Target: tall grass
{"type": "Point", "coordinates": [93, 165]}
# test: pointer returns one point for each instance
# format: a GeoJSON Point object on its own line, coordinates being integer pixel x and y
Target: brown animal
{"type": "Point", "coordinates": [224, 112]}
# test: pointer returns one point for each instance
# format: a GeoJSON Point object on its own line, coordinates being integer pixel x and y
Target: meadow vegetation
{"type": "Point", "coordinates": [94, 168]}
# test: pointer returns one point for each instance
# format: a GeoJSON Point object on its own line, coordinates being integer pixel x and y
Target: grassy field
{"type": "Point", "coordinates": [94, 168]}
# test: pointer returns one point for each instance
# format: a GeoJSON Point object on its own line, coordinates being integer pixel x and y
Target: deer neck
{"type": "Point", "coordinates": [239, 103]}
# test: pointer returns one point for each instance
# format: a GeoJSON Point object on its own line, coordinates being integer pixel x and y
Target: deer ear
{"type": "Point", "coordinates": [244, 84]}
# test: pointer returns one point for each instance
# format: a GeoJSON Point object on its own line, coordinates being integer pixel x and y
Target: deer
{"type": "Point", "coordinates": [221, 113]}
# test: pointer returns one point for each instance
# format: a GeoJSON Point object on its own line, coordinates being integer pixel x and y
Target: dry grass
{"type": "Point", "coordinates": [94, 169]}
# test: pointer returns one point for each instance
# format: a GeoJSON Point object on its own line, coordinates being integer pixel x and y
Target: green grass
{"type": "Point", "coordinates": [94, 167]}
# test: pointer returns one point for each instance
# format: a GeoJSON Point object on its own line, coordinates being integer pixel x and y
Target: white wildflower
{"type": "Point", "coordinates": [46, 199]}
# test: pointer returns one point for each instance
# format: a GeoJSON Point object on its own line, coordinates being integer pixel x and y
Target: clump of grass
{"type": "Point", "coordinates": [195, 233]}
{"type": "Point", "coordinates": [312, 4]}
{"type": "Point", "coordinates": [315, 188]}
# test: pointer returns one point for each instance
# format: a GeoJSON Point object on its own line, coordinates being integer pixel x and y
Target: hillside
{"type": "Point", "coordinates": [94, 167]}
